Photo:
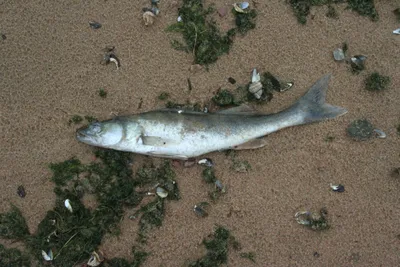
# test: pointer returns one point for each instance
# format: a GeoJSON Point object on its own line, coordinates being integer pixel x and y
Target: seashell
{"type": "Point", "coordinates": [199, 209]}
{"type": "Point", "coordinates": [379, 133]}
{"type": "Point", "coordinates": [155, 11]}
{"type": "Point", "coordinates": [113, 58]}
{"type": "Point", "coordinates": [255, 77]}
{"type": "Point", "coordinates": [303, 217]}
{"type": "Point", "coordinates": [358, 62]}
{"type": "Point", "coordinates": [94, 25]}
{"type": "Point", "coordinates": [161, 192]}
{"type": "Point", "coordinates": [337, 188]}
{"type": "Point", "coordinates": [219, 186]}
{"type": "Point", "coordinates": [67, 204]}
{"type": "Point", "coordinates": [206, 162]}
{"type": "Point", "coordinates": [286, 86]}
{"type": "Point", "coordinates": [21, 191]}
{"type": "Point", "coordinates": [179, 19]}
{"type": "Point", "coordinates": [256, 89]}
{"type": "Point", "coordinates": [148, 18]}
{"type": "Point", "coordinates": [397, 31]}
{"type": "Point", "coordinates": [95, 259]}
{"type": "Point", "coordinates": [240, 7]}
{"type": "Point", "coordinates": [48, 256]}
{"type": "Point", "coordinates": [338, 54]}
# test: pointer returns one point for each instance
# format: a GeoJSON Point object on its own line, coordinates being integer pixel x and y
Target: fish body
{"type": "Point", "coordinates": [182, 134]}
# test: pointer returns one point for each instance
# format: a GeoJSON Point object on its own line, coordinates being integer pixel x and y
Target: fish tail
{"type": "Point", "coordinates": [312, 105]}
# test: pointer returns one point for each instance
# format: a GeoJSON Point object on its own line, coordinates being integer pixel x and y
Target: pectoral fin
{"type": "Point", "coordinates": [157, 141]}
{"type": "Point", "coordinates": [252, 144]}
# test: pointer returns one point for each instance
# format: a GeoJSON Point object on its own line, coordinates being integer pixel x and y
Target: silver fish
{"type": "Point", "coordinates": [179, 134]}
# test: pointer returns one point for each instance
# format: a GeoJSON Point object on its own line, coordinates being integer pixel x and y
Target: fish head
{"type": "Point", "coordinates": [103, 134]}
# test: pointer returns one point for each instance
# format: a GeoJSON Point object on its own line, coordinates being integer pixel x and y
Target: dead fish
{"type": "Point", "coordinates": [179, 134]}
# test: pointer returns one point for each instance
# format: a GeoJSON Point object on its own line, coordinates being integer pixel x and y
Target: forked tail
{"type": "Point", "coordinates": [312, 105]}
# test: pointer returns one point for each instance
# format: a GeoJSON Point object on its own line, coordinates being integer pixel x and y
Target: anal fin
{"type": "Point", "coordinates": [252, 144]}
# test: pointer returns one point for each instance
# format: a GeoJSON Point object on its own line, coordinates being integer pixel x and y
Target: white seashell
{"type": "Point", "coordinates": [206, 162]}
{"type": "Point", "coordinates": [244, 5]}
{"type": "Point", "coordinates": [256, 89]}
{"type": "Point", "coordinates": [397, 31]}
{"type": "Point", "coordinates": [337, 187]}
{"type": "Point", "coordinates": [67, 204]}
{"type": "Point", "coordinates": [240, 7]}
{"type": "Point", "coordinates": [161, 192]}
{"type": "Point", "coordinates": [379, 133]}
{"type": "Point", "coordinates": [95, 259]}
{"type": "Point", "coordinates": [47, 256]}
{"type": "Point", "coordinates": [148, 18]}
{"type": "Point", "coordinates": [179, 19]}
{"type": "Point", "coordinates": [255, 76]}
{"type": "Point", "coordinates": [303, 217]}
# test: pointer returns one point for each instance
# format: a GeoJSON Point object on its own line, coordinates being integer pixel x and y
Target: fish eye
{"type": "Point", "coordinates": [95, 128]}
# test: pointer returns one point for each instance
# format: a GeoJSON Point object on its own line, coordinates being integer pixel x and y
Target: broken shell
{"type": "Point", "coordinates": [95, 259]}
{"type": "Point", "coordinates": [286, 86]}
{"type": "Point", "coordinates": [397, 31]}
{"type": "Point", "coordinates": [161, 192]}
{"type": "Point", "coordinates": [338, 54]}
{"type": "Point", "coordinates": [219, 186]}
{"type": "Point", "coordinates": [206, 162]}
{"type": "Point", "coordinates": [256, 89]}
{"type": "Point", "coordinates": [337, 188]}
{"type": "Point", "coordinates": [255, 77]}
{"type": "Point", "coordinates": [240, 7]}
{"type": "Point", "coordinates": [358, 62]}
{"type": "Point", "coordinates": [379, 133]}
{"type": "Point", "coordinates": [148, 18]}
{"type": "Point", "coordinates": [67, 204]}
{"type": "Point", "coordinates": [47, 256]}
{"type": "Point", "coordinates": [113, 58]}
{"type": "Point", "coordinates": [199, 209]}
{"type": "Point", "coordinates": [94, 25]}
{"type": "Point", "coordinates": [21, 191]}
{"type": "Point", "coordinates": [303, 217]}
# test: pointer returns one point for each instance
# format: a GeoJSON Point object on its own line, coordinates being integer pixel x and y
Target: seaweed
{"type": "Point", "coordinates": [76, 119]}
{"type": "Point", "coordinates": [397, 13]}
{"type": "Point", "coordinates": [248, 255]}
{"type": "Point", "coordinates": [360, 130]}
{"type": "Point", "coordinates": [102, 93]}
{"type": "Point", "coordinates": [224, 98]}
{"type": "Point", "coordinates": [73, 235]}
{"type": "Point", "coordinates": [201, 35]}
{"type": "Point", "coordinates": [163, 96]}
{"type": "Point", "coordinates": [244, 21]}
{"type": "Point", "coordinates": [90, 119]}
{"type": "Point", "coordinates": [332, 13]}
{"type": "Point", "coordinates": [208, 175]}
{"type": "Point", "coordinates": [364, 8]}
{"type": "Point", "coordinates": [217, 249]}
{"type": "Point", "coordinates": [13, 225]}
{"type": "Point", "coordinates": [65, 171]}
{"type": "Point", "coordinates": [13, 257]}
{"type": "Point", "coordinates": [377, 82]}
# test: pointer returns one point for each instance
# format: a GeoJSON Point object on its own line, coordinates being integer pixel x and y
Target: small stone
{"type": "Point", "coordinates": [338, 54]}
{"type": "Point", "coordinates": [94, 25]}
{"type": "Point", "coordinates": [189, 163]}
{"type": "Point", "coordinates": [222, 11]}
{"type": "Point", "coordinates": [231, 80]}
{"type": "Point", "coordinates": [21, 191]}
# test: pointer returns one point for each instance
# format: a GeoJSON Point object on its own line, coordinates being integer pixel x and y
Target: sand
{"type": "Point", "coordinates": [50, 70]}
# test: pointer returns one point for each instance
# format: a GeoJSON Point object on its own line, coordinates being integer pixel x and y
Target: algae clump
{"type": "Point", "coordinates": [377, 82]}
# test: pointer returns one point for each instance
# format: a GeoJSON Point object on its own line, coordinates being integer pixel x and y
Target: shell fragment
{"type": "Point", "coordinates": [67, 204]}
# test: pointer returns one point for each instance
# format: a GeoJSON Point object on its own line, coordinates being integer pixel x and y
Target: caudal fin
{"type": "Point", "coordinates": [312, 105]}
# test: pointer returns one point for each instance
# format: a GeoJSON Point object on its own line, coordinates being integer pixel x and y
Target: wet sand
{"type": "Point", "coordinates": [50, 71]}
